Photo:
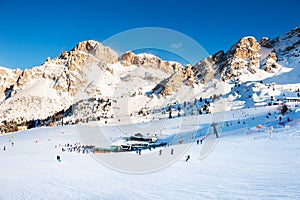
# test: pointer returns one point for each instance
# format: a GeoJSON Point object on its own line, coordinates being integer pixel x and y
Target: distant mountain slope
{"type": "Point", "coordinates": [92, 82]}
{"type": "Point", "coordinates": [287, 49]}
{"type": "Point", "coordinates": [252, 59]}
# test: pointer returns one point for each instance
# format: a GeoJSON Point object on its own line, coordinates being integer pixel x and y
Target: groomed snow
{"type": "Point", "coordinates": [255, 165]}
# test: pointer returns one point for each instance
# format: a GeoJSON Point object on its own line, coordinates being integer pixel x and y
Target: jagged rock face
{"type": "Point", "coordinates": [178, 76]}
{"type": "Point", "coordinates": [265, 42]}
{"type": "Point", "coordinates": [282, 48]}
{"type": "Point", "coordinates": [243, 55]}
{"type": "Point", "coordinates": [246, 48]}
{"type": "Point", "coordinates": [105, 54]}
{"type": "Point", "coordinates": [62, 77]}
{"type": "Point", "coordinates": [8, 79]}
{"type": "Point", "coordinates": [269, 62]}
{"type": "Point", "coordinates": [291, 42]}
{"type": "Point", "coordinates": [208, 67]}
{"type": "Point", "coordinates": [128, 58]}
{"type": "Point", "coordinates": [148, 61]}
{"type": "Point", "coordinates": [67, 71]}
{"type": "Point", "coordinates": [171, 84]}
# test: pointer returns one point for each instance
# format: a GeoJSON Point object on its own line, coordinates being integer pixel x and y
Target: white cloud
{"type": "Point", "coordinates": [176, 46]}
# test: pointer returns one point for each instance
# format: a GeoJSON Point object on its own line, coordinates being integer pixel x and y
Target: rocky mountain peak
{"type": "Point", "coordinates": [87, 46]}
{"type": "Point", "coordinates": [53, 85]}
{"type": "Point", "coordinates": [246, 48]}
{"type": "Point", "coordinates": [95, 48]}
{"type": "Point", "coordinates": [67, 70]}
{"type": "Point", "coordinates": [128, 58]}
{"type": "Point", "coordinates": [242, 57]}
{"type": "Point", "coordinates": [283, 43]}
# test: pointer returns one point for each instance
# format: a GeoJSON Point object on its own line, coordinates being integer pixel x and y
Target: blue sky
{"type": "Point", "coordinates": [33, 30]}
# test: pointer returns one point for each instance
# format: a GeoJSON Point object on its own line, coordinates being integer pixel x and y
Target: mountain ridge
{"type": "Point", "coordinates": [93, 82]}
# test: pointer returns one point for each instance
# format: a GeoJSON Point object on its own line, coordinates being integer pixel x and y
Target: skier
{"type": "Point", "coordinates": [58, 158]}
{"type": "Point", "coordinates": [201, 141]}
{"type": "Point", "coordinates": [197, 142]}
{"type": "Point", "coordinates": [4, 148]}
{"type": "Point", "coordinates": [172, 151]}
{"type": "Point", "coordinates": [187, 158]}
{"type": "Point", "coordinates": [160, 151]}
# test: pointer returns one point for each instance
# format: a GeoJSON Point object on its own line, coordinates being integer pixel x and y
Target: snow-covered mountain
{"type": "Point", "coordinates": [255, 155]}
{"type": "Point", "coordinates": [80, 83]}
{"type": "Point", "coordinates": [92, 82]}
{"type": "Point", "coordinates": [40, 92]}
{"type": "Point", "coordinates": [249, 59]}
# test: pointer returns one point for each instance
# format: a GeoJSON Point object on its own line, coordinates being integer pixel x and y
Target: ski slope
{"type": "Point", "coordinates": [244, 164]}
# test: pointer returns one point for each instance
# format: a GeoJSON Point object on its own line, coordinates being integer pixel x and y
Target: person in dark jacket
{"type": "Point", "coordinates": [58, 158]}
{"type": "Point", "coordinates": [187, 158]}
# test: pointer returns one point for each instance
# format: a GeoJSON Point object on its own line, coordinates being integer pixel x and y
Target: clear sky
{"type": "Point", "coordinates": [33, 30]}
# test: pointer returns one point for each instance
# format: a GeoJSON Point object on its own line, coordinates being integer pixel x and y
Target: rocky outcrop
{"type": "Point", "coordinates": [291, 42]}
{"type": "Point", "coordinates": [241, 56]}
{"type": "Point", "coordinates": [244, 57]}
{"type": "Point", "coordinates": [63, 77]}
{"type": "Point", "coordinates": [270, 62]}
{"type": "Point", "coordinates": [284, 44]}
{"type": "Point", "coordinates": [207, 68]}
{"type": "Point", "coordinates": [67, 71]}
{"type": "Point", "coordinates": [149, 61]}
{"type": "Point", "coordinates": [265, 42]}
{"type": "Point", "coordinates": [246, 48]}
{"type": "Point", "coordinates": [68, 74]}
{"type": "Point", "coordinates": [171, 84]}
{"type": "Point", "coordinates": [8, 79]}
{"type": "Point", "coordinates": [128, 58]}
{"type": "Point", "coordinates": [103, 53]}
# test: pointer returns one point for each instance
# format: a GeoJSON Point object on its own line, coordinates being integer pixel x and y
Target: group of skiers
{"type": "Point", "coordinates": [201, 140]}
{"type": "Point", "coordinates": [77, 148]}
{"type": "Point", "coordinates": [160, 152]}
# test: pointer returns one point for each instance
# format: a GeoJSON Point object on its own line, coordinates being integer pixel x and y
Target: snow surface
{"type": "Point", "coordinates": [255, 157]}
{"type": "Point", "coordinates": [245, 164]}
